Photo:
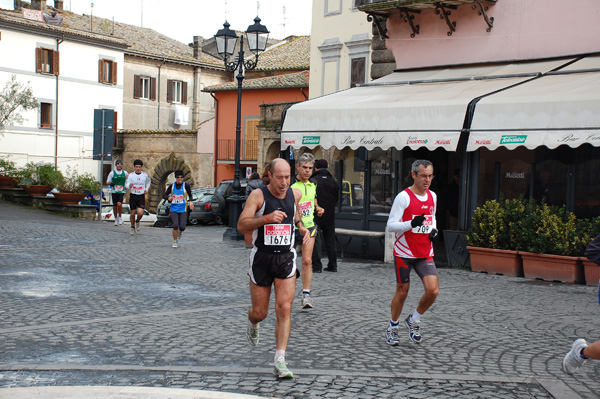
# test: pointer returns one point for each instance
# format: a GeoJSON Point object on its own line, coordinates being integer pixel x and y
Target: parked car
{"type": "Point", "coordinates": [219, 203]}
{"type": "Point", "coordinates": [202, 212]}
{"type": "Point", "coordinates": [107, 215]}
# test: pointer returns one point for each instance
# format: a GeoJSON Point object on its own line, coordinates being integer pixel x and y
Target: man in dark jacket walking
{"type": "Point", "coordinates": [327, 193]}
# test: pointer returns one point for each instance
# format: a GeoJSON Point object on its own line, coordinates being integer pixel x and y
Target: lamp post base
{"type": "Point", "coordinates": [235, 209]}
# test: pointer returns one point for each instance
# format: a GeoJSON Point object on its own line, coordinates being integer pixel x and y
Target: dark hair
{"type": "Point", "coordinates": [254, 176]}
{"type": "Point", "coordinates": [265, 176]}
{"type": "Point", "coordinates": [119, 161]}
{"type": "Point", "coordinates": [138, 162]}
{"type": "Point", "coordinates": [179, 173]}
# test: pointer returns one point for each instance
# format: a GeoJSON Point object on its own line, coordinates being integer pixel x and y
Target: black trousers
{"type": "Point", "coordinates": [325, 237]}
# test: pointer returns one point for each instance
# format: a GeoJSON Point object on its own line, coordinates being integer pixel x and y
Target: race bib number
{"type": "Point", "coordinates": [177, 199]}
{"type": "Point", "coordinates": [136, 189]}
{"type": "Point", "coordinates": [278, 234]}
{"type": "Point", "coordinates": [118, 189]}
{"type": "Point", "coordinates": [306, 208]}
{"type": "Point", "coordinates": [428, 225]}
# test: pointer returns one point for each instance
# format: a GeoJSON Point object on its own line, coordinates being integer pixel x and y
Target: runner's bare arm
{"type": "Point", "coordinates": [247, 222]}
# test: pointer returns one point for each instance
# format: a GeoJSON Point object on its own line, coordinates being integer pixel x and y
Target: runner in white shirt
{"type": "Point", "coordinates": [138, 184]}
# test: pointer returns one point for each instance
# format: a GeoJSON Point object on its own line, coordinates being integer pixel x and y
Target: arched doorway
{"type": "Point", "coordinates": [163, 169]}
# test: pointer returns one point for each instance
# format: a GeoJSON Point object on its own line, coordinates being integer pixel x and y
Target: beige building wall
{"type": "Point", "coordinates": [340, 34]}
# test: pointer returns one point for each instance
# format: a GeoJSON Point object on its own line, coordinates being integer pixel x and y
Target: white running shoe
{"type": "Point", "coordinates": [137, 226]}
{"type": "Point", "coordinates": [120, 219]}
{"type": "Point", "coordinates": [306, 302]}
{"type": "Point", "coordinates": [414, 331]}
{"type": "Point", "coordinates": [252, 333]}
{"type": "Point", "coordinates": [392, 335]}
{"type": "Point", "coordinates": [117, 221]}
{"type": "Point", "coordinates": [132, 231]}
{"type": "Point", "coordinates": [175, 244]}
{"type": "Point", "coordinates": [280, 369]}
{"type": "Point", "coordinates": [573, 359]}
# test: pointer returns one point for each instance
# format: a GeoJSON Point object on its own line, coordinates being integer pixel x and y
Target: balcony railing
{"type": "Point", "coordinates": [226, 150]}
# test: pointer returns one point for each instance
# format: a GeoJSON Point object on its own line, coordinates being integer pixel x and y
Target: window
{"type": "Point", "coordinates": [144, 87]}
{"type": "Point", "coordinates": [176, 92]}
{"type": "Point", "coordinates": [107, 71]}
{"type": "Point", "coordinates": [46, 115]}
{"type": "Point", "coordinates": [382, 181]}
{"type": "Point", "coordinates": [357, 71]}
{"type": "Point", "coordinates": [46, 61]}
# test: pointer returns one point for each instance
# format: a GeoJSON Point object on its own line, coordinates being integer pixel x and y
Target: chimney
{"type": "Point", "coordinates": [17, 4]}
{"type": "Point", "coordinates": [38, 5]}
{"type": "Point", "coordinates": [198, 42]}
{"type": "Point", "coordinates": [58, 4]}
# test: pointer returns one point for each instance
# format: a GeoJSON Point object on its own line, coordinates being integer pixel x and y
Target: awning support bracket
{"type": "Point", "coordinates": [483, 11]}
{"type": "Point", "coordinates": [380, 23]}
{"type": "Point", "coordinates": [404, 13]}
{"type": "Point", "coordinates": [441, 10]}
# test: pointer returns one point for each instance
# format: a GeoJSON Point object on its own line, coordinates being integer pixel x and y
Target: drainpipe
{"type": "Point", "coordinates": [215, 141]}
{"type": "Point", "coordinates": [303, 93]}
{"type": "Point", "coordinates": [58, 42]}
{"type": "Point", "coordinates": [164, 61]}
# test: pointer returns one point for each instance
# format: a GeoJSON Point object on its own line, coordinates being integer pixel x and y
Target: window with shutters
{"type": "Point", "coordinates": [357, 71]}
{"type": "Point", "coordinates": [107, 71]}
{"type": "Point", "coordinates": [46, 115]}
{"type": "Point", "coordinates": [46, 61]}
{"type": "Point", "coordinates": [144, 87]}
{"type": "Point", "coordinates": [176, 92]}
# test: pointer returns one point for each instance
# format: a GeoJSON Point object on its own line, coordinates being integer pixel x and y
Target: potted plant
{"type": "Point", "coordinates": [9, 173]}
{"type": "Point", "coordinates": [74, 187]}
{"type": "Point", "coordinates": [553, 243]}
{"type": "Point", "coordinates": [491, 237]}
{"type": "Point", "coordinates": [40, 178]}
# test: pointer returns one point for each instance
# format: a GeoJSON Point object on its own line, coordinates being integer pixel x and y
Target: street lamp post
{"type": "Point", "coordinates": [226, 39]}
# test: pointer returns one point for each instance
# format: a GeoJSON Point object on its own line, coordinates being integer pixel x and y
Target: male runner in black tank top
{"type": "Point", "coordinates": [270, 215]}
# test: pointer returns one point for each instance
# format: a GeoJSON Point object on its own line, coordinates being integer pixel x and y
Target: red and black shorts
{"type": "Point", "coordinates": [423, 267]}
{"type": "Point", "coordinates": [265, 267]}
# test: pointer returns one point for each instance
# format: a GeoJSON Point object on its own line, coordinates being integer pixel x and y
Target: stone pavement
{"type": "Point", "coordinates": [85, 305]}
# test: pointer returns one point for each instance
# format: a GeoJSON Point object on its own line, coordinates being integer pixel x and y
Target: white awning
{"type": "Point", "coordinates": [561, 108]}
{"type": "Point", "coordinates": [413, 109]}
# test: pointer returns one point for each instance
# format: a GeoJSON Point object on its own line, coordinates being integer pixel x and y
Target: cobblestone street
{"type": "Point", "coordinates": [83, 303]}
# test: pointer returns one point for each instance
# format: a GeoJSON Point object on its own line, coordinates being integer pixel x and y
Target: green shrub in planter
{"type": "Point", "coordinates": [73, 182]}
{"type": "Point", "coordinates": [41, 173]}
{"type": "Point", "coordinates": [524, 225]}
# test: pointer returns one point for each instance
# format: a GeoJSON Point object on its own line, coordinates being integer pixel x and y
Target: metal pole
{"type": "Point", "coordinates": [235, 208]}
{"type": "Point", "coordinates": [101, 166]}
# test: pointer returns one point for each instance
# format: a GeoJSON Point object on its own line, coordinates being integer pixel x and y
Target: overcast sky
{"type": "Point", "coordinates": [182, 19]}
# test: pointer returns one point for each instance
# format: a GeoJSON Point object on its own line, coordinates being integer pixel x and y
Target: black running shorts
{"type": "Point", "coordinates": [117, 197]}
{"type": "Point", "coordinates": [137, 201]}
{"type": "Point", "coordinates": [265, 267]}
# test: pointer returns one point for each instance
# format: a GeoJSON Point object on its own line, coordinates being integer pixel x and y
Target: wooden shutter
{"type": "Point", "coordinates": [136, 86]}
{"type": "Point", "coordinates": [184, 92]}
{"type": "Point", "coordinates": [114, 73]}
{"type": "Point", "coordinates": [169, 91]}
{"type": "Point", "coordinates": [115, 123]}
{"type": "Point", "coordinates": [38, 60]}
{"type": "Point", "coordinates": [101, 71]}
{"type": "Point", "coordinates": [153, 89]}
{"type": "Point", "coordinates": [55, 63]}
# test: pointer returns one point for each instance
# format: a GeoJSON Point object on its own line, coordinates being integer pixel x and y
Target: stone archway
{"type": "Point", "coordinates": [162, 170]}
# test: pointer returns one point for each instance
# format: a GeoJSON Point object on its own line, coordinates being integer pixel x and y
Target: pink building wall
{"type": "Point", "coordinates": [523, 29]}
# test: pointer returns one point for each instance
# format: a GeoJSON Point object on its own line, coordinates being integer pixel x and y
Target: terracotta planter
{"type": "Point", "coordinates": [69, 198]}
{"type": "Point", "coordinates": [591, 271]}
{"type": "Point", "coordinates": [37, 190]}
{"type": "Point", "coordinates": [496, 261]}
{"type": "Point", "coordinates": [566, 269]}
{"type": "Point", "coordinates": [7, 182]}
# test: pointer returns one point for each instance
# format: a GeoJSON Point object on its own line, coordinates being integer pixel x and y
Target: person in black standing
{"type": "Point", "coordinates": [328, 192]}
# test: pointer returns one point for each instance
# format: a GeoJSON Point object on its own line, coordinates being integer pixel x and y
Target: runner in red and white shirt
{"type": "Point", "coordinates": [412, 218]}
{"type": "Point", "coordinates": [138, 184]}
